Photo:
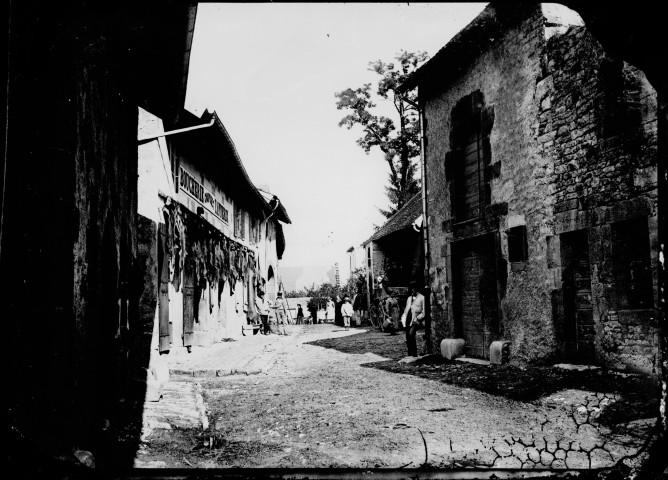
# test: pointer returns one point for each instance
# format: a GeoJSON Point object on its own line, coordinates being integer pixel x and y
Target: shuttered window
{"type": "Point", "coordinates": [470, 156]}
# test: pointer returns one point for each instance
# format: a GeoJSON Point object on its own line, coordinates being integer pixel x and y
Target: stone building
{"type": "Point", "coordinates": [213, 237]}
{"type": "Point", "coordinates": [541, 185]}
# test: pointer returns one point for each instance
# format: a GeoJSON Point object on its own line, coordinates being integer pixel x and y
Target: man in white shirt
{"type": "Point", "coordinates": [281, 314]}
{"type": "Point", "coordinates": [414, 314]}
{"type": "Point", "coordinates": [262, 306]}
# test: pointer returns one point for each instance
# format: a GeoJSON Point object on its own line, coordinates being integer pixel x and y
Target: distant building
{"type": "Point", "coordinates": [331, 274]}
{"type": "Point", "coordinates": [393, 252]}
{"type": "Point", "coordinates": [352, 265]}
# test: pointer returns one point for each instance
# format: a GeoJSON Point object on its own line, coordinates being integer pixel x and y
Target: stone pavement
{"type": "Point", "coordinates": [180, 406]}
{"type": "Point", "coordinates": [249, 355]}
{"type": "Point", "coordinates": [324, 407]}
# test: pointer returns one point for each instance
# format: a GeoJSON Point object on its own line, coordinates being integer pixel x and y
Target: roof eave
{"type": "Point", "coordinates": [377, 236]}
{"type": "Point", "coordinates": [474, 36]}
{"type": "Point", "coordinates": [219, 125]}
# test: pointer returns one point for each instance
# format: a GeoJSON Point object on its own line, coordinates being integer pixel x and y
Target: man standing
{"type": "Point", "coordinates": [281, 314]}
{"type": "Point", "coordinates": [263, 310]}
{"type": "Point", "coordinates": [346, 312]}
{"type": "Point", "coordinates": [414, 315]}
{"type": "Point", "coordinates": [300, 314]}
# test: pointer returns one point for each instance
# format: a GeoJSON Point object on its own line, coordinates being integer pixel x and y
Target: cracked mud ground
{"type": "Point", "coordinates": [340, 399]}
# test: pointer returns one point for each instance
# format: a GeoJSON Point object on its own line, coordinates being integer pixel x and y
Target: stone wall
{"type": "Point", "coordinates": [506, 76]}
{"type": "Point", "coordinates": [598, 122]}
{"type": "Point", "coordinates": [69, 254]}
{"type": "Point", "coordinates": [573, 146]}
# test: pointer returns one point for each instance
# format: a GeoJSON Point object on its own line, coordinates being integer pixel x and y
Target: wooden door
{"type": "Point", "coordinates": [165, 338]}
{"type": "Point", "coordinates": [189, 303]}
{"type": "Point", "coordinates": [475, 299]}
{"type": "Point", "coordinates": [579, 329]}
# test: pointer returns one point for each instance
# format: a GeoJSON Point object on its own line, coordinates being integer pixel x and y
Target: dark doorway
{"type": "Point", "coordinates": [475, 302]}
{"type": "Point", "coordinates": [576, 278]}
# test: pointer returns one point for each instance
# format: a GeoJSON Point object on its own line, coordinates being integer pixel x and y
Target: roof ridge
{"type": "Point", "coordinates": [390, 220]}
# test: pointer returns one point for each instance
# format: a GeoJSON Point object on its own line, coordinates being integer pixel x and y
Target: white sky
{"type": "Point", "coordinates": [270, 71]}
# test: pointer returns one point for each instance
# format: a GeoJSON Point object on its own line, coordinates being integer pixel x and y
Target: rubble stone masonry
{"type": "Point", "coordinates": [573, 148]}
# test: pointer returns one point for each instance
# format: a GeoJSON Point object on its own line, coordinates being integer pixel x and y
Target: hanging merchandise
{"type": "Point", "coordinates": [215, 258]}
{"type": "Point", "coordinates": [240, 264]}
{"type": "Point", "coordinates": [180, 240]}
{"type": "Point", "coordinates": [221, 285]}
{"type": "Point", "coordinates": [232, 276]}
{"type": "Point", "coordinates": [168, 216]}
{"type": "Point", "coordinates": [210, 292]}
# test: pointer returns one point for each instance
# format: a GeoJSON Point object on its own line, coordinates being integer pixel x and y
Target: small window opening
{"type": "Point", "coordinates": [632, 266]}
{"type": "Point", "coordinates": [518, 248]}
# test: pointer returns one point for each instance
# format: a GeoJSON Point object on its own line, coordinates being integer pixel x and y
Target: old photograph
{"type": "Point", "coordinates": [335, 240]}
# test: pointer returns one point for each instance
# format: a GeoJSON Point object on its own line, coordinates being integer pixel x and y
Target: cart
{"type": "Point", "coordinates": [377, 312]}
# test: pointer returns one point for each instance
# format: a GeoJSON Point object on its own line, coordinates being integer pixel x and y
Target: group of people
{"type": "Point", "coordinates": [281, 314]}
{"type": "Point", "coordinates": [412, 318]}
{"type": "Point", "coordinates": [332, 312]}
{"type": "Point", "coordinates": [274, 316]}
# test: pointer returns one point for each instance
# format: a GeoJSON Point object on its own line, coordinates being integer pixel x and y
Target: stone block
{"type": "Point", "coordinates": [499, 352]}
{"type": "Point", "coordinates": [498, 209]}
{"type": "Point", "coordinates": [515, 221]}
{"type": "Point", "coordinates": [452, 348]}
{"type": "Point", "coordinates": [577, 460]}
{"type": "Point", "coordinates": [553, 251]}
{"type": "Point", "coordinates": [157, 376]}
{"type": "Point", "coordinates": [518, 266]}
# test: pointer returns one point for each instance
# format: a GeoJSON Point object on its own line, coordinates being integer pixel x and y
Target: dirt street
{"type": "Point", "coordinates": [321, 407]}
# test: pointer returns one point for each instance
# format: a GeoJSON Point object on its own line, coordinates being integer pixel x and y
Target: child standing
{"type": "Point", "coordinates": [346, 312]}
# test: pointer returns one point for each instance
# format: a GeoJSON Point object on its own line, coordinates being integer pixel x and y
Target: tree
{"type": "Point", "coordinates": [357, 286]}
{"type": "Point", "coordinates": [319, 294]}
{"type": "Point", "coordinates": [400, 147]}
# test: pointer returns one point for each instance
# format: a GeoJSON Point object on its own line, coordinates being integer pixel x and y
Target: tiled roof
{"type": "Point", "coordinates": [281, 212]}
{"type": "Point", "coordinates": [400, 220]}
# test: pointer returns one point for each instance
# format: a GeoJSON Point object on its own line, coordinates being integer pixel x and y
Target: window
{"type": "Point", "coordinates": [252, 230]}
{"type": "Point", "coordinates": [518, 249]}
{"type": "Point", "coordinates": [470, 157]}
{"type": "Point", "coordinates": [632, 266]}
{"type": "Point", "coordinates": [240, 224]}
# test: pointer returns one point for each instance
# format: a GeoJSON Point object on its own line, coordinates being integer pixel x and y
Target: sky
{"type": "Point", "coordinates": [271, 70]}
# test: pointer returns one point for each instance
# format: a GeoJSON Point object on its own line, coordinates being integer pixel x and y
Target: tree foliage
{"type": "Point", "coordinates": [399, 144]}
